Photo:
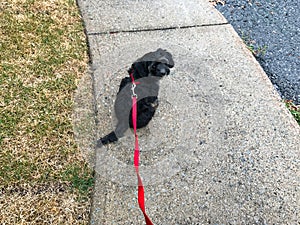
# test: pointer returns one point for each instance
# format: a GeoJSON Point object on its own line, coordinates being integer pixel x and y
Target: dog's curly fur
{"type": "Point", "coordinates": [147, 70]}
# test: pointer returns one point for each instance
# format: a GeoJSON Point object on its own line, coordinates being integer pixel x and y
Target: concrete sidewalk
{"type": "Point", "coordinates": [222, 148]}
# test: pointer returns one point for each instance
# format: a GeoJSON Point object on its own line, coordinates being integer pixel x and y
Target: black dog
{"type": "Point", "coordinates": [147, 71]}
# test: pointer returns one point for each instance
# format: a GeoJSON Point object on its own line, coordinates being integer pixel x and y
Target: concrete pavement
{"type": "Point", "coordinates": [222, 148]}
{"type": "Point", "coordinates": [272, 29]}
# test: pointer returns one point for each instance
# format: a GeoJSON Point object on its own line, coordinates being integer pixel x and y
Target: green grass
{"type": "Point", "coordinates": [257, 51]}
{"type": "Point", "coordinates": [294, 109]}
{"type": "Point", "coordinates": [254, 49]}
{"type": "Point", "coordinates": [79, 179]}
{"type": "Point", "coordinates": [43, 56]}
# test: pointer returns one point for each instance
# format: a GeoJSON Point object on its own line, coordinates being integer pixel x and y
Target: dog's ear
{"type": "Point", "coordinates": [160, 56]}
{"type": "Point", "coordinates": [165, 57]}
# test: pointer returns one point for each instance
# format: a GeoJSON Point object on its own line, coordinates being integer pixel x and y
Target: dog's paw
{"type": "Point", "coordinates": [111, 137]}
{"type": "Point", "coordinates": [104, 141]}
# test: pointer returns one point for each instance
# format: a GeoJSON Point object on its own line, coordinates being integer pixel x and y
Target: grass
{"type": "Point", "coordinates": [43, 176]}
{"type": "Point", "coordinates": [294, 109]}
{"type": "Point", "coordinates": [256, 50]}
{"type": "Point", "coordinates": [80, 179]}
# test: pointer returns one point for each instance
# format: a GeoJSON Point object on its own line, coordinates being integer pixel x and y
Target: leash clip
{"type": "Point", "coordinates": [132, 89]}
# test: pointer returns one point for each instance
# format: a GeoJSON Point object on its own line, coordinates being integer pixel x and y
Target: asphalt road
{"type": "Point", "coordinates": [272, 28]}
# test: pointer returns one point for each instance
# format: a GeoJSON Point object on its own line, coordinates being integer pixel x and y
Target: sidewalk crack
{"type": "Point", "coordinates": [155, 29]}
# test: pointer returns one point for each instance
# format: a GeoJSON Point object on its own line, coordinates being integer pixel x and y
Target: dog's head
{"type": "Point", "coordinates": [156, 63]}
{"type": "Point", "coordinates": [158, 69]}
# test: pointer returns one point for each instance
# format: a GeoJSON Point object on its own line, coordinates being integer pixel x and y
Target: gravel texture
{"type": "Point", "coordinates": [273, 27]}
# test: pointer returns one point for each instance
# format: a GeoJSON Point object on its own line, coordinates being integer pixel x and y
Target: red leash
{"type": "Point", "coordinates": [141, 198]}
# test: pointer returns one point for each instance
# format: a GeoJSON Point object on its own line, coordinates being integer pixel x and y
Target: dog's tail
{"type": "Point", "coordinates": [109, 138]}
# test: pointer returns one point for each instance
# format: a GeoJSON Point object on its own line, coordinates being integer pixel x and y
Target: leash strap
{"type": "Point", "coordinates": [141, 198]}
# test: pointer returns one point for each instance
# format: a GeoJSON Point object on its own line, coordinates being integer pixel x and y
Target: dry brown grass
{"type": "Point", "coordinates": [43, 176]}
{"type": "Point", "coordinates": [42, 205]}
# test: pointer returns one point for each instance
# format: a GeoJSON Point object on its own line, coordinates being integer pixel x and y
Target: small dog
{"type": "Point", "coordinates": [147, 71]}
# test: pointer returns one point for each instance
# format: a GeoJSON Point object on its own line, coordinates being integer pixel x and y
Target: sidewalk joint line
{"type": "Point", "coordinates": [155, 29]}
